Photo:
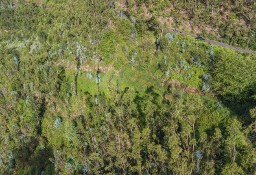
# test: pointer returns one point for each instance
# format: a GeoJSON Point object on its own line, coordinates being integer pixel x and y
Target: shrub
{"type": "Point", "coordinates": [234, 77]}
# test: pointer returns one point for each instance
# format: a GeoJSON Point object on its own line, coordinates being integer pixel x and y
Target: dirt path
{"type": "Point", "coordinates": [212, 41]}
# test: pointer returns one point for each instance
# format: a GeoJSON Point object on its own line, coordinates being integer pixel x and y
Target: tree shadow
{"type": "Point", "coordinates": [240, 104]}
{"type": "Point", "coordinates": [33, 158]}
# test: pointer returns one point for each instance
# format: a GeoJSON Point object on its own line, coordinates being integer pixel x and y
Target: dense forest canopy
{"type": "Point", "coordinates": [103, 87]}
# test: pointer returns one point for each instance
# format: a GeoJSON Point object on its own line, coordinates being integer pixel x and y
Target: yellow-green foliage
{"type": "Point", "coordinates": [85, 90]}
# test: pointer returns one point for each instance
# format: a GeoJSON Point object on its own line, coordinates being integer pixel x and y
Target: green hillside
{"type": "Point", "coordinates": [103, 87]}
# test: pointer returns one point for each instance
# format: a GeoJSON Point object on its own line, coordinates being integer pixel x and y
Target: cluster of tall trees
{"type": "Point", "coordinates": [87, 89]}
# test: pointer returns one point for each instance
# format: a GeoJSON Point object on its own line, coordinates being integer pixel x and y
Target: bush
{"type": "Point", "coordinates": [234, 77]}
